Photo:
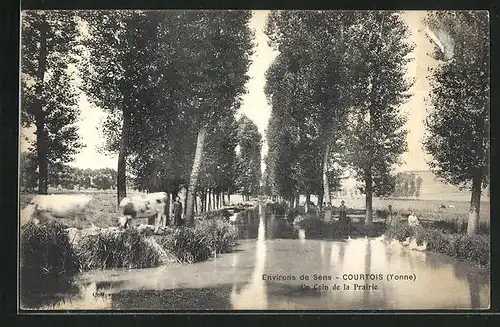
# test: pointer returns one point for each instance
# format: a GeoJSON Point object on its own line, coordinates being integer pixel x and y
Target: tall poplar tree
{"type": "Point", "coordinates": [379, 48]}
{"type": "Point", "coordinates": [48, 93]}
{"type": "Point", "coordinates": [458, 122]}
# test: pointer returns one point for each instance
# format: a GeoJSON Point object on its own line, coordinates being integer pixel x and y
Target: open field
{"type": "Point", "coordinates": [428, 209]}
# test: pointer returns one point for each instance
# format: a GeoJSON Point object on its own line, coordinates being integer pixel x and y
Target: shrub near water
{"type": "Point", "coordinates": [45, 249]}
{"type": "Point", "coordinates": [201, 242]}
{"type": "Point", "coordinates": [474, 249]}
{"type": "Point", "coordinates": [116, 249]}
{"type": "Point", "coordinates": [220, 235]}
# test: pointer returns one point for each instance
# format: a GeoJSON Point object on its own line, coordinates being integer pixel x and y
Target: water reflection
{"type": "Point", "coordinates": [247, 224]}
{"type": "Point", "coordinates": [253, 295]}
{"type": "Point", "coordinates": [235, 280]}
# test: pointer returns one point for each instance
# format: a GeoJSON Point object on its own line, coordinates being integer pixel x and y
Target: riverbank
{"type": "Point", "coordinates": [445, 235]}
{"type": "Point", "coordinates": [474, 249]}
{"type": "Point", "coordinates": [53, 248]}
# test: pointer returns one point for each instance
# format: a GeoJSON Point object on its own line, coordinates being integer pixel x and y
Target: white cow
{"type": "Point", "coordinates": [142, 206]}
{"type": "Point", "coordinates": [45, 207]}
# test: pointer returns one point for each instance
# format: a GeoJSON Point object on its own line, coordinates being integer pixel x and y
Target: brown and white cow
{"type": "Point", "coordinates": [143, 206]}
{"type": "Point", "coordinates": [45, 207]}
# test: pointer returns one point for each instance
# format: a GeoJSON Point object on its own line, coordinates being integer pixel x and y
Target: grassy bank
{"type": "Point", "coordinates": [55, 249]}
{"type": "Point", "coordinates": [474, 249]}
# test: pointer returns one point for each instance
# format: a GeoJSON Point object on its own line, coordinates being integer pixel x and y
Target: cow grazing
{"type": "Point", "coordinates": [442, 206]}
{"type": "Point", "coordinates": [143, 206]}
{"type": "Point", "coordinates": [46, 207]}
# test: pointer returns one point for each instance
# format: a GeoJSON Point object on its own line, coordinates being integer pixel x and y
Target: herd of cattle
{"type": "Point", "coordinates": [47, 207]}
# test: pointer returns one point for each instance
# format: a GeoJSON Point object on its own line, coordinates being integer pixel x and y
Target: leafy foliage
{"type": "Point", "coordinates": [27, 175]}
{"type": "Point", "coordinates": [458, 122]}
{"type": "Point", "coordinates": [309, 72]}
{"type": "Point", "coordinates": [376, 134]}
{"type": "Point", "coordinates": [249, 157]}
{"type": "Point", "coordinates": [49, 50]}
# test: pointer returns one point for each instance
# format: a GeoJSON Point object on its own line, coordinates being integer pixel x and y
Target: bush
{"type": "Point", "coordinates": [186, 245]}
{"type": "Point", "coordinates": [220, 234]}
{"type": "Point", "coordinates": [201, 242]}
{"type": "Point", "coordinates": [474, 249]}
{"type": "Point", "coordinates": [314, 228]}
{"type": "Point", "coordinates": [401, 232]}
{"type": "Point", "coordinates": [216, 214]}
{"type": "Point", "coordinates": [45, 249]}
{"type": "Point", "coordinates": [116, 249]}
{"type": "Point", "coordinates": [291, 213]}
{"type": "Point", "coordinates": [278, 208]}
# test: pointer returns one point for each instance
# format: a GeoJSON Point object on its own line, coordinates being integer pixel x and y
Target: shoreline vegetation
{"type": "Point", "coordinates": [446, 235]}
{"type": "Point", "coordinates": [54, 248]}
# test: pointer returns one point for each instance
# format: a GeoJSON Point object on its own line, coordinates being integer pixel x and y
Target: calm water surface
{"type": "Point", "coordinates": [265, 273]}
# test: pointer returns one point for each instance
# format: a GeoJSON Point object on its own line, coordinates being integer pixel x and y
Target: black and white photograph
{"type": "Point", "coordinates": [227, 160]}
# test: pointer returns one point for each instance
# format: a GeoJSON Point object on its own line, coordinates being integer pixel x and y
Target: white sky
{"type": "Point", "coordinates": [255, 105]}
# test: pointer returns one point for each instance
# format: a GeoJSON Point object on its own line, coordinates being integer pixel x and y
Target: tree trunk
{"type": "Point", "coordinates": [185, 205]}
{"type": "Point", "coordinates": [297, 200]}
{"type": "Point", "coordinates": [200, 142]}
{"type": "Point", "coordinates": [320, 200]}
{"type": "Point", "coordinates": [209, 200]}
{"type": "Point", "coordinates": [166, 222]}
{"type": "Point", "coordinates": [307, 204]}
{"type": "Point", "coordinates": [326, 185]}
{"type": "Point", "coordinates": [228, 197]}
{"type": "Point", "coordinates": [121, 183]}
{"type": "Point", "coordinates": [369, 191]}
{"type": "Point", "coordinates": [41, 147]}
{"type": "Point", "coordinates": [195, 203]}
{"type": "Point", "coordinates": [202, 201]}
{"type": "Point", "coordinates": [41, 133]}
{"type": "Point", "coordinates": [223, 199]}
{"type": "Point", "coordinates": [213, 200]}
{"type": "Point", "coordinates": [473, 222]}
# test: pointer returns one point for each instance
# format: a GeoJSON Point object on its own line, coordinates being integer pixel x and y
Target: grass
{"type": "Point", "coordinates": [116, 249]}
{"type": "Point", "coordinates": [46, 249]}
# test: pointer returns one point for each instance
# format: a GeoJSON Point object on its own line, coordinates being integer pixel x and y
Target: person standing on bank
{"type": "Point", "coordinates": [177, 211]}
{"type": "Point", "coordinates": [342, 210]}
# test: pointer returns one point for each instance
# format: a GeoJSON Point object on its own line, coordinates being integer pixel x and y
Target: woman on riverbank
{"type": "Point", "coordinates": [177, 211]}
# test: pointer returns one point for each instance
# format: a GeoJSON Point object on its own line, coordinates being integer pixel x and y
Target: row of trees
{"type": "Point", "coordinates": [407, 185]}
{"type": "Point", "coordinates": [170, 82]}
{"type": "Point", "coordinates": [337, 88]}
{"type": "Point", "coordinates": [64, 176]}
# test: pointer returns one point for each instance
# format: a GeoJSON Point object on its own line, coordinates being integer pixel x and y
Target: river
{"type": "Point", "coordinates": [275, 268]}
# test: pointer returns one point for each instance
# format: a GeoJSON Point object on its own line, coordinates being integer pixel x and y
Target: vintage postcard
{"type": "Point", "coordinates": [177, 160]}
